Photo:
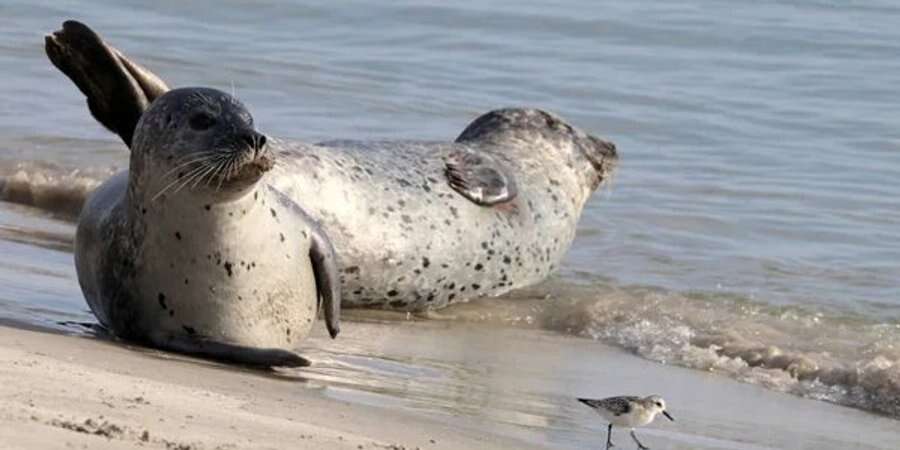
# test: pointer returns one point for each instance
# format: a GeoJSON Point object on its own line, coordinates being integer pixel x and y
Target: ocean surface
{"type": "Point", "coordinates": [753, 229]}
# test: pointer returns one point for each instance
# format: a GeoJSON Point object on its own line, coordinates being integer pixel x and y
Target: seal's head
{"type": "Point", "coordinates": [541, 132]}
{"type": "Point", "coordinates": [201, 139]}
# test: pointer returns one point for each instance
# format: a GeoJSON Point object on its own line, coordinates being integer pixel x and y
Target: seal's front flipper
{"type": "Point", "coordinates": [479, 177]}
{"type": "Point", "coordinates": [231, 353]}
{"type": "Point", "coordinates": [328, 283]}
{"type": "Point", "coordinates": [117, 89]}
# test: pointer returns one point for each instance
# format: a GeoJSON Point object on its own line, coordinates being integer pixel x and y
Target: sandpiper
{"type": "Point", "coordinates": [628, 411]}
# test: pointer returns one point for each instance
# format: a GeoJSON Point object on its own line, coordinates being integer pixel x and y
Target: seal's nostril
{"type": "Point", "coordinates": [254, 140]}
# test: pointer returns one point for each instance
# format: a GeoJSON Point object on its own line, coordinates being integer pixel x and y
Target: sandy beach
{"type": "Point", "coordinates": [392, 385]}
{"type": "Point", "coordinates": [67, 392]}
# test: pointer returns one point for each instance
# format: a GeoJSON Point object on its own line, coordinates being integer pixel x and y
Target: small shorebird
{"type": "Point", "coordinates": [628, 411]}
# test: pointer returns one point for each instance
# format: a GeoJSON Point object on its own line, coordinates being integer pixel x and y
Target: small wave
{"type": "Point", "coordinates": [848, 360]}
{"type": "Point", "coordinates": [60, 191]}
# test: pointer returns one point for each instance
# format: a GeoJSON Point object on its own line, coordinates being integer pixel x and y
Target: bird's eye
{"type": "Point", "coordinates": [202, 121]}
{"type": "Point", "coordinates": [659, 404]}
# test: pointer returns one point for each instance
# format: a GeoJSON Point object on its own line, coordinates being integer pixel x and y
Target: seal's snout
{"type": "Point", "coordinates": [255, 140]}
{"type": "Point", "coordinates": [260, 158]}
{"type": "Point", "coordinates": [603, 156]}
{"type": "Point", "coordinates": [254, 159]}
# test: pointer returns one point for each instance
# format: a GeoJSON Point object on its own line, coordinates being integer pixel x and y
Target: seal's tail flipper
{"type": "Point", "coordinates": [225, 352]}
{"type": "Point", "coordinates": [117, 89]}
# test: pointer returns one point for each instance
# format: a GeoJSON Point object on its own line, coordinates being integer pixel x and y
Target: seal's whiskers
{"type": "Point", "coordinates": [176, 181]}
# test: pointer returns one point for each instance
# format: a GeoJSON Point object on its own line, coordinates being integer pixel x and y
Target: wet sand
{"type": "Point", "coordinates": [67, 392]}
{"type": "Point", "coordinates": [394, 384]}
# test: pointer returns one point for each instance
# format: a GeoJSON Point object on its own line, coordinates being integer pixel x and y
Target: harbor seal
{"type": "Point", "coordinates": [192, 250]}
{"type": "Point", "coordinates": [417, 225]}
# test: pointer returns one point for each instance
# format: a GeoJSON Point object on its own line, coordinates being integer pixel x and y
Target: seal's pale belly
{"type": "Point", "coordinates": [246, 281]}
{"type": "Point", "coordinates": [406, 240]}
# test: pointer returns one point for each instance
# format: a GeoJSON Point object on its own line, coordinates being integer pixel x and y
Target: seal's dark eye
{"type": "Point", "coordinates": [202, 121]}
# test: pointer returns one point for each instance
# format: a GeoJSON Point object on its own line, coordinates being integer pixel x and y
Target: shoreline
{"type": "Point", "coordinates": [70, 392]}
{"type": "Point", "coordinates": [400, 385]}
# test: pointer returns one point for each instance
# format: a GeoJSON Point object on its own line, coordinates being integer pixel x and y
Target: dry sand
{"type": "Point", "coordinates": [68, 392]}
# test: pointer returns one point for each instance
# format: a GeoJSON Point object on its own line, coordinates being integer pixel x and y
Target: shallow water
{"type": "Point", "coordinates": [754, 227]}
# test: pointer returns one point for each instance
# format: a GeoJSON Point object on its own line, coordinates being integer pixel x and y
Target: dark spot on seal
{"type": "Point", "coordinates": [351, 269]}
{"type": "Point", "coordinates": [451, 297]}
{"type": "Point", "coordinates": [392, 293]}
{"type": "Point", "coordinates": [454, 211]}
{"type": "Point", "coordinates": [479, 266]}
{"type": "Point", "coordinates": [143, 210]}
{"type": "Point", "coordinates": [162, 301]}
{"type": "Point", "coordinates": [273, 212]}
{"type": "Point", "coordinates": [406, 218]}
{"type": "Point", "coordinates": [186, 281]}
{"type": "Point", "coordinates": [398, 303]}
{"type": "Point", "coordinates": [178, 235]}
{"type": "Point", "coordinates": [281, 236]}
{"type": "Point", "coordinates": [189, 330]}
{"type": "Point", "coordinates": [425, 262]}
{"type": "Point", "coordinates": [255, 195]}
{"type": "Point", "coordinates": [484, 245]}
{"type": "Point", "coordinates": [507, 260]}
{"type": "Point", "coordinates": [206, 207]}
{"type": "Point", "coordinates": [228, 268]}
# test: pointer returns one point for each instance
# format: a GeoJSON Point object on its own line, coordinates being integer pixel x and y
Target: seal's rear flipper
{"type": "Point", "coordinates": [232, 353]}
{"type": "Point", "coordinates": [479, 177]}
{"type": "Point", "coordinates": [117, 89]}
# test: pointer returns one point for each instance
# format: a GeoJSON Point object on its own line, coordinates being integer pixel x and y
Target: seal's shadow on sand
{"type": "Point", "coordinates": [99, 332]}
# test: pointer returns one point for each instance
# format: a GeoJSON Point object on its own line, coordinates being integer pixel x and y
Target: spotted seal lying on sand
{"type": "Point", "coordinates": [417, 225]}
{"type": "Point", "coordinates": [192, 250]}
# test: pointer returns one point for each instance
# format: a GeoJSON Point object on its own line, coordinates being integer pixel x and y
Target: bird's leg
{"type": "Point", "coordinates": [640, 446]}
{"type": "Point", "coordinates": [609, 443]}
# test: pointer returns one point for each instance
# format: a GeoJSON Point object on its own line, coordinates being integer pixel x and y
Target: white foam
{"type": "Point", "coordinates": [55, 189]}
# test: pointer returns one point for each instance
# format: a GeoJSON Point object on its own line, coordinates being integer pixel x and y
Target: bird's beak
{"type": "Point", "coordinates": [668, 416]}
